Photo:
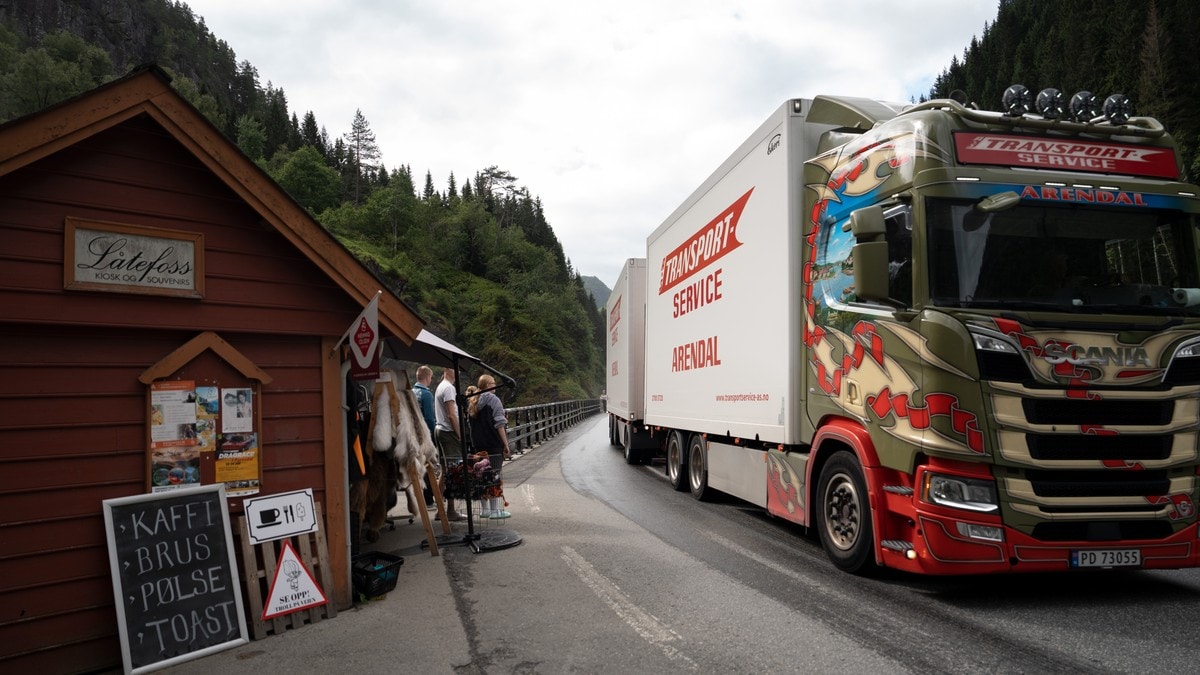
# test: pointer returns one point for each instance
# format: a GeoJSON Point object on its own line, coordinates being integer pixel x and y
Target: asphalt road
{"type": "Point", "coordinates": [618, 573]}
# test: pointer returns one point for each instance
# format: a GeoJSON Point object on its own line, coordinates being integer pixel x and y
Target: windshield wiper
{"type": "Point", "coordinates": [1154, 310]}
{"type": "Point", "coordinates": [1020, 304]}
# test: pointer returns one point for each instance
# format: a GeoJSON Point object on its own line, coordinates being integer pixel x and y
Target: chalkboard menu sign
{"type": "Point", "coordinates": [175, 580]}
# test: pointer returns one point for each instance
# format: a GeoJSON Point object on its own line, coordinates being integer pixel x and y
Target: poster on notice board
{"type": "Point", "coordinates": [174, 450]}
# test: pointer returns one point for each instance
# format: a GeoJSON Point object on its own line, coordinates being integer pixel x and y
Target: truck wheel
{"type": "Point", "coordinates": [844, 515]}
{"type": "Point", "coordinates": [613, 431]}
{"type": "Point", "coordinates": [632, 456]}
{"type": "Point", "coordinates": [677, 462]}
{"type": "Point", "coordinates": [697, 468]}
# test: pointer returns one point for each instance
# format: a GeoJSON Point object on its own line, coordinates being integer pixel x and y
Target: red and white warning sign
{"type": "Point", "coordinates": [293, 587]}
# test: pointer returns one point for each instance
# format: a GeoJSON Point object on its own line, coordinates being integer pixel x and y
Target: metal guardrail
{"type": "Point", "coordinates": [530, 425]}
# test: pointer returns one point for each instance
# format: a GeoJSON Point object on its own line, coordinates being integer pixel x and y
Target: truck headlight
{"type": "Point", "coordinates": [992, 343]}
{"type": "Point", "coordinates": [960, 493]}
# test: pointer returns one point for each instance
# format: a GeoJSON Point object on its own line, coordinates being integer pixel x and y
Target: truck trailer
{"type": "Point", "coordinates": [949, 340]}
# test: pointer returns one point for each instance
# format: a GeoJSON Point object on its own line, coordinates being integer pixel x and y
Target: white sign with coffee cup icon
{"type": "Point", "coordinates": [283, 515]}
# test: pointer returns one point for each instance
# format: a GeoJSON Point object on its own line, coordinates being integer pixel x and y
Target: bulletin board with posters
{"type": "Point", "coordinates": [203, 434]}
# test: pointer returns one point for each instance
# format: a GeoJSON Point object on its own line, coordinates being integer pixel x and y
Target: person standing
{"type": "Point", "coordinates": [449, 438]}
{"type": "Point", "coordinates": [488, 433]}
{"type": "Point", "coordinates": [425, 400]}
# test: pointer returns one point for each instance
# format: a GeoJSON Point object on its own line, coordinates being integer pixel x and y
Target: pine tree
{"type": "Point", "coordinates": [275, 120]}
{"type": "Point", "coordinates": [363, 149]}
{"type": "Point", "coordinates": [1154, 91]}
{"type": "Point", "coordinates": [428, 193]}
{"type": "Point", "coordinates": [294, 138]}
{"type": "Point", "coordinates": [310, 133]}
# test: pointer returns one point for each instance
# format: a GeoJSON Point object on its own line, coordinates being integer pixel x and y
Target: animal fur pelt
{"type": "Point", "coordinates": [380, 486]}
{"type": "Point", "coordinates": [391, 429]}
{"type": "Point", "coordinates": [398, 436]}
{"type": "Point", "coordinates": [400, 428]}
{"type": "Point", "coordinates": [423, 449]}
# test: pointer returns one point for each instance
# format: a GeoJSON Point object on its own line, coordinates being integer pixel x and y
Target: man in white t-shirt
{"type": "Point", "coordinates": [449, 438]}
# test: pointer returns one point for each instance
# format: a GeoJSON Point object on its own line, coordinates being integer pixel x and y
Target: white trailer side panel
{"type": "Point", "coordinates": [738, 471]}
{"type": "Point", "coordinates": [626, 333]}
{"type": "Point", "coordinates": [723, 296]}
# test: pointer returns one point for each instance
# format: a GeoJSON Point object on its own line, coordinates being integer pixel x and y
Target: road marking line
{"type": "Point", "coordinates": [645, 625]}
{"type": "Point", "coordinates": [529, 500]}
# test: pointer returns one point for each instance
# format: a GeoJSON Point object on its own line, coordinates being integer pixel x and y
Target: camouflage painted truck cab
{"type": "Point", "coordinates": [993, 364]}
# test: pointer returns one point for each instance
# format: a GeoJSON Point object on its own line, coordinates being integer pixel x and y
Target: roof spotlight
{"type": "Point", "coordinates": [1017, 101]}
{"type": "Point", "coordinates": [1083, 106]}
{"type": "Point", "coordinates": [1118, 108]}
{"type": "Point", "coordinates": [1051, 104]}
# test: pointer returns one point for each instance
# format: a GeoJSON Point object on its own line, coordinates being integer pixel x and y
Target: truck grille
{"type": "Point", "coordinates": [1107, 412]}
{"type": "Point", "coordinates": [1098, 483]}
{"type": "Point", "coordinates": [1052, 447]}
{"type": "Point", "coordinates": [1094, 469]}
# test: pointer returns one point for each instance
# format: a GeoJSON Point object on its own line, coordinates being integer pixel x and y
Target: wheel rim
{"type": "Point", "coordinates": [842, 512]}
{"type": "Point", "coordinates": [695, 466]}
{"type": "Point", "coordinates": [674, 457]}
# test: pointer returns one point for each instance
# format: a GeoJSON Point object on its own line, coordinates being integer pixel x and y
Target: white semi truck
{"type": "Point", "coordinates": [953, 341]}
{"type": "Point", "coordinates": [626, 383]}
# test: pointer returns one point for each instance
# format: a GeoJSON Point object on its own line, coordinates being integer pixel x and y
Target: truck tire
{"type": "Point", "coordinates": [677, 472]}
{"type": "Point", "coordinates": [697, 468]}
{"type": "Point", "coordinates": [843, 515]}
{"type": "Point", "coordinates": [613, 431]}
{"type": "Point", "coordinates": [632, 455]}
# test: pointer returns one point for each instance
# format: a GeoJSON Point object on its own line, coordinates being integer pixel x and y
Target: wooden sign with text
{"type": "Point", "coordinates": [120, 258]}
{"type": "Point", "coordinates": [175, 581]}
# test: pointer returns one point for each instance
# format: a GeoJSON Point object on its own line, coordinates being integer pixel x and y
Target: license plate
{"type": "Point", "coordinates": [1107, 557]}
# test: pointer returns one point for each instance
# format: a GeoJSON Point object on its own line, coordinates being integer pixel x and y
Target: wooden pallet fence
{"type": "Point", "coordinates": [259, 562]}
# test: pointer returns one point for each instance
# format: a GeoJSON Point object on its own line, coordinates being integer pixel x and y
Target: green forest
{"type": "Point", "coordinates": [477, 257]}
{"type": "Point", "coordinates": [477, 260]}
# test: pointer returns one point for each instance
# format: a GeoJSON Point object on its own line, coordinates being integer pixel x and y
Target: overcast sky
{"type": "Point", "coordinates": [611, 112]}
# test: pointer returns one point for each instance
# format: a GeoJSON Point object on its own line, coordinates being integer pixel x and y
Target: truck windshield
{"type": "Point", "coordinates": [1070, 258]}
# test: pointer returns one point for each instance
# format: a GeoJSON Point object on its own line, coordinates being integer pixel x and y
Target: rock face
{"type": "Point", "coordinates": [134, 33]}
{"type": "Point", "coordinates": [598, 290]}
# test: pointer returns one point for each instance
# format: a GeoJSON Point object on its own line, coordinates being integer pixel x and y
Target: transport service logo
{"type": "Point", "coordinates": [1072, 155]}
{"type": "Point", "coordinates": [703, 248]}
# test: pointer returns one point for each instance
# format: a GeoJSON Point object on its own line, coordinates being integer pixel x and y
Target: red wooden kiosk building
{"type": "Point", "coordinates": [138, 244]}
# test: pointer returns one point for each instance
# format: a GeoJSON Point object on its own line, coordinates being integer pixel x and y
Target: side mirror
{"type": "Point", "coordinates": [867, 223]}
{"type": "Point", "coordinates": [870, 254]}
{"type": "Point", "coordinates": [871, 270]}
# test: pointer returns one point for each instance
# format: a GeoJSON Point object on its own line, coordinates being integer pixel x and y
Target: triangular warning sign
{"type": "Point", "coordinates": [293, 587]}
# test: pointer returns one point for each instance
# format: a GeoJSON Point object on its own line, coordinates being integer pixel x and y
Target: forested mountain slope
{"type": "Point", "coordinates": [475, 255]}
{"type": "Point", "coordinates": [478, 261]}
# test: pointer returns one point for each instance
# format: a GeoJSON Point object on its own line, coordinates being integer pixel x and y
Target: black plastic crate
{"type": "Point", "coordinates": [374, 573]}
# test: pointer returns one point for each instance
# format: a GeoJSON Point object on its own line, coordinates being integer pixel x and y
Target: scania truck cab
{"type": "Point", "coordinates": [1001, 325]}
